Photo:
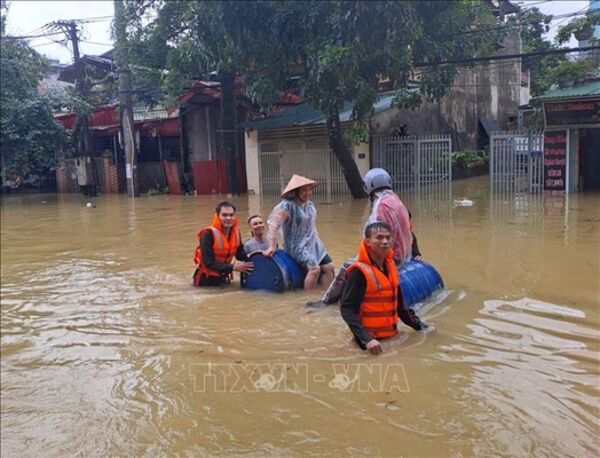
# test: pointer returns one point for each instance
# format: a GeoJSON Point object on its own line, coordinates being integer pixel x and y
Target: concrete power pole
{"type": "Point", "coordinates": [127, 124]}
{"type": "Point", "coordinates": [84, 144]}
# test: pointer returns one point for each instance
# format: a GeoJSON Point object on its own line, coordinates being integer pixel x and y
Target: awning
{"type": "Point", "coordinates": [489, 126]}
{"type": "Point", "coordinates": [590, 89]}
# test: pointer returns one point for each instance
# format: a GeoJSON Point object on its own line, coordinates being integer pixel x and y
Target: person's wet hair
{"type": "Point", "coordinates": [223, 205]}
{"type": "Point", "coordinates": [375, 225]}
{"type": "Point", "coordinates": [252, 217]}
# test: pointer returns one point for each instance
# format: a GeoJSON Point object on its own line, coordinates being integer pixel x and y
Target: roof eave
{"type": "Point", "coordinates": [565, 98]}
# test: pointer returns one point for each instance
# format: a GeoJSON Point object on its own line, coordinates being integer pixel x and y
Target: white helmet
{"type": "Point", "coordinates": [377, 178]}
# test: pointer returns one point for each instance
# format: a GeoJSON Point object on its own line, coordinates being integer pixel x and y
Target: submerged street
{"type": "Point", "coordinates": [106, 344]}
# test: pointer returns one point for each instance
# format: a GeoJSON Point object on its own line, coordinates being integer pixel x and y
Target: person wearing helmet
{"type": "Point", "coordinates": [388, 208]}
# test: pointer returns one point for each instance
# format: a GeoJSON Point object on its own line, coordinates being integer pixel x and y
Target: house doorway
{"type": "Point", "coordinates": [311, 157]}
{"type": "Point", "coordinates": [589, 159]}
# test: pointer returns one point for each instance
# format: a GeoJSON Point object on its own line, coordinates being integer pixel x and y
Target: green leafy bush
{"type": "Point", "coordinates": [469, 158]}
{"type": "Point", "coordinates": [31, 137]}
{"type": "Point", "coordinates": [158, 190]}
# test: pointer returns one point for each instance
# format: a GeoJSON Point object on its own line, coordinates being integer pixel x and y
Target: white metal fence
{"type": "Point", "coordinates": [414, 163]}
{"type": "Point", "coordinates": [516, 162]}
{"type": "Point", "coordinates": [311, 158]}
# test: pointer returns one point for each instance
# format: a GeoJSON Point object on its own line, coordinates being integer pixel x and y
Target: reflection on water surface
{"type": "Point", "coordinates": [105, 344]}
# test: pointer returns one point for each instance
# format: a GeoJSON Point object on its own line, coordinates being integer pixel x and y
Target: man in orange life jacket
{"type": "Point", "coordinates": [372, 299]}
{"type": "Point", "coordinates": [218, 244]}
{"type": "Point", "coordinates": [387, 207]}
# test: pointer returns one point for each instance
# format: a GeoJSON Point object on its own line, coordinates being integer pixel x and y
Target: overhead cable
{"type": "Point", "coordinates": [548, 52]}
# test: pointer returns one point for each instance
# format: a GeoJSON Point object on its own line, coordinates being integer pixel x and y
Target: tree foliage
{"type": "Point", "coordinates": [547, 71]}
{"type": "Point", "coordinates": [589, 21]}
{"type": "Point", "coordinates": [339, 50]}
{"type": "Point", "coordinates": [571, 71]}
{"type": "Point", "coordinates": [534, 25]}
{"type": "Point", "coordinates": [30, 136]}
{"type": "Point", "coordinates": [187, 41]}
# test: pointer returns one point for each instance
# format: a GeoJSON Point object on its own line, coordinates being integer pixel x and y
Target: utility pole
{"type": "Point", "coordinates": [227, 131]}
{"type": "Point", "coordinates": [84, 142]}
{"type": "Point", "coordinates": [126, 111]}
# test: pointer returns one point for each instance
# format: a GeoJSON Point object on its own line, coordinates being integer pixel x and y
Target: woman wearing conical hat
{"type": "Point", "coordinates": [297, 216]}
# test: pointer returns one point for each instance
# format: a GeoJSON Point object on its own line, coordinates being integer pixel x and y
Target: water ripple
{"type": "Point", "coordinates": [528, 373]}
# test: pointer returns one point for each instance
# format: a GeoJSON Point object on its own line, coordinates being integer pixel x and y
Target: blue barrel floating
{"type": "Point", "coordinates": [418, 279]}
{"type": "Point", "coordinates": [278, 273]}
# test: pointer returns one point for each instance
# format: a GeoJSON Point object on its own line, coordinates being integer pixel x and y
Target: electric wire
{"type": "Point", "coordinates": [510, 26]}
{"type": "Point", "coordinates": [548, 52]}
{"type": "Point", "coordinates": [525, 4]}
{"type": "Point", "coordinates": [29, 37]}
{"type": "Point", "coordinates": [97, 43]}
{"type": "Point", "coordinates": [583, 11]}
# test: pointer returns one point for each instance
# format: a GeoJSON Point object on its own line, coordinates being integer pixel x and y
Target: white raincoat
{"type": "Point", "coordinates": [300, 237]}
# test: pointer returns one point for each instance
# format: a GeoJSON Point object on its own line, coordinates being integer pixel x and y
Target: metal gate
{"type": "Point", "coordinates": [311, 158]}
{"type": "Point", "coordinates": [414, 162]}
{"type": "Point", "coordinates": [516, 162]}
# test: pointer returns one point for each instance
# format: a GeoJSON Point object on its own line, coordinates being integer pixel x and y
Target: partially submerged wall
{"type": "Point", "coordinates": [492, 91]}
{"type": "Point", "coordinates": [199, 125]}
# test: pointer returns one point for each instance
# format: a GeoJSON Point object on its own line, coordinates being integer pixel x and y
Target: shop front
{"type": "Point", "coordinates": [572, 139]}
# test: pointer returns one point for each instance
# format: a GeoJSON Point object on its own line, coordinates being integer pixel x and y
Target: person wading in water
{"type": "Point", "coordinates": [218, 244]}
{"type": "Point", "coordinates": [257, 243]}
{"type": "Point", "coordinates": [387, 207]}
{"type": "Point", "coordinates": [372, 299]}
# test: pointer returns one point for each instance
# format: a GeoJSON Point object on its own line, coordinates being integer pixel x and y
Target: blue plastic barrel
{"type": "Point", "coordinates": [418, 279]}
{"type": "Point", "coordinates": [278, 274]}
{"type": "Point", "coordinates": [293, 273]}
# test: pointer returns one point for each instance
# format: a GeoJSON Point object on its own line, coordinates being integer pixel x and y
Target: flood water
{"type": "Point", "coordinates": [107, 349]}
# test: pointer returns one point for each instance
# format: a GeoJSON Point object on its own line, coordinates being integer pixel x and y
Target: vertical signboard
{"type": "Point", "coordinates": [555, 160]}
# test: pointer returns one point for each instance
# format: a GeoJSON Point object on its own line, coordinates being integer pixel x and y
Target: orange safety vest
{"type": "Point", "coordinates": [379, 309]}
{"type": "Point", "coordinates": [223, 247]}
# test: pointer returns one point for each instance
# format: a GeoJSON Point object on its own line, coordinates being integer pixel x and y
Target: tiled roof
{"type": "Point", "coordinates": [588, 89]}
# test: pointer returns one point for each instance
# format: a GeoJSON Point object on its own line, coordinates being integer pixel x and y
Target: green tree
{"type": "Point", "coordinates": [589, 21]}
{"type": "Point", "coordinates": [547, 71]}
{"type": "Point", "coordinates": [343, 49]}
{"type": "Point", "coordinates": [573, 70]}
{"type": "Point", "coordinates": [186, 41]}
{"type": "Point", "coordinates": [30, 137]}
{"type": "Point", "coordinates": [534, 26]}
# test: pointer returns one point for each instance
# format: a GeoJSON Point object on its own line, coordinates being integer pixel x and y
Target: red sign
{"type": "Point", "coordinates": [574, 113]}
{"type": "Point", "coordinates": [555, 160]}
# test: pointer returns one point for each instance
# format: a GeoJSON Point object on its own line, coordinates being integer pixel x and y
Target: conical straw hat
{"type": "Point", "coordinates": [297, 181]}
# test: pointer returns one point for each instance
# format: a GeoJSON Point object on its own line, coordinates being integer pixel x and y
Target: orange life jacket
{"type": "Point", "coordinates": [223, 247]}
{"type": "Point", "coordinates": [379, 309]}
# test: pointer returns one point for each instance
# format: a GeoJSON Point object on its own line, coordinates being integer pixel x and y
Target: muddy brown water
{"type": "Point", "coordinates": [107, 349]}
